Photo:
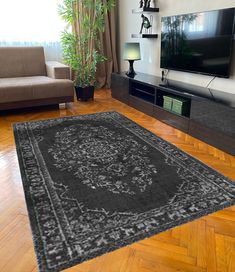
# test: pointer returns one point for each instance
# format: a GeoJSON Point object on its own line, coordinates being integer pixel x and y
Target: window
{"type": "Point", "coordinates": [31, 22]}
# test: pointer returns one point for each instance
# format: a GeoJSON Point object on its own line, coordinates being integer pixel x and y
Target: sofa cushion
{"type": "Point", "coordinates": [32, 88]}
{"type": "Point", "coordinates": [22, 61]}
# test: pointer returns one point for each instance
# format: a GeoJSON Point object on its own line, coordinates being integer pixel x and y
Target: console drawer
{"type": "Point", "coordinates": [212, 137]}
{"type": "Point", "coordinates": [141, 105]}
{"type": "Point", "coordinates": [171, 119]}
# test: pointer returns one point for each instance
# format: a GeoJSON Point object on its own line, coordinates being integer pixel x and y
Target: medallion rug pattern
{"type": "Point", "coordinates": [94, 183]}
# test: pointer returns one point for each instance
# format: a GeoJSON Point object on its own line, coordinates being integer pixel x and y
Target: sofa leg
{"type": "Point", "coordinates": [62, 106]}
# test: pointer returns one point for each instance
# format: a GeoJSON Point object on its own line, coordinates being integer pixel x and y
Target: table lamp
{"type": "Point", "coordinates": [131, 53]}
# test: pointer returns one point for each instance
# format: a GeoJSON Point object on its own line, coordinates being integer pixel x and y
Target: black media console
{"type": "Point", "coordinates": [207, 119]}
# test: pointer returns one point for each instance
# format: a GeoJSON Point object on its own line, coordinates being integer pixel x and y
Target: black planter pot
{"type": "Point", "coordinates": [84, 93]}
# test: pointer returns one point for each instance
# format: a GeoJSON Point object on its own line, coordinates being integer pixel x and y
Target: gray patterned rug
{"type": "Point", "coordinates": [95, 183]}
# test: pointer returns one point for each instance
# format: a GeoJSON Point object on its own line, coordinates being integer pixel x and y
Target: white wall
{"type": "Point", "coordinates": [150, 48]}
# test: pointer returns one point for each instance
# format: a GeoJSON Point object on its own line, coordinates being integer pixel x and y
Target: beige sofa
{"type": "Point", "coordinates": [26, 80]}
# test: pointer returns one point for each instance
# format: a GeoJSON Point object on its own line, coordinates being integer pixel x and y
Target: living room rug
{"type": "Point", "coordinates": [95, 183]}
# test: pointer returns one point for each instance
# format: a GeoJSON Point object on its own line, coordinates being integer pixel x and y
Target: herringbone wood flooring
{"type": "Point", "coordinates": [207, 244]}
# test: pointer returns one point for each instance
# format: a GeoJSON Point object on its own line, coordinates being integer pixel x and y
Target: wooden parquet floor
{"type": "Point", "coordinates": [207, 244]}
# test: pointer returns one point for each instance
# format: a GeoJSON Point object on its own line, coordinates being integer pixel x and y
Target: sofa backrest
{"type": "Point", "coordinates": [22, 61]}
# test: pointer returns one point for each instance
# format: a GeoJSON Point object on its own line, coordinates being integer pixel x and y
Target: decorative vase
{"type": "Point", "coordinates": [84, 93]}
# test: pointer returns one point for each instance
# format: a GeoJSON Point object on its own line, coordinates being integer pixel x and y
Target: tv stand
{"type": "Point", "coordinates": [207, 120]}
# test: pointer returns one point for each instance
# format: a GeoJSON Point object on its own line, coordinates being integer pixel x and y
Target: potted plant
{"type": "Point", "coordinates": [80, 45]}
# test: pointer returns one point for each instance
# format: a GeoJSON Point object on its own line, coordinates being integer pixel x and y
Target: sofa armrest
{"type": "Point", "coordinates": [57, 70]}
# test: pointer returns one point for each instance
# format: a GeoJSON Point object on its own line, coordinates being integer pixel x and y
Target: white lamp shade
{"type": "Point", "coordinates": [131, 51]}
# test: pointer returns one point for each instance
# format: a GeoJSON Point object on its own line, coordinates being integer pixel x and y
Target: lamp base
{"type": "Point", "coordinates": [131, 72]}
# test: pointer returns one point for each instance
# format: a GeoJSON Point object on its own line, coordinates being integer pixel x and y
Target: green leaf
{"type": "Point", "coordinates": [83, 59]}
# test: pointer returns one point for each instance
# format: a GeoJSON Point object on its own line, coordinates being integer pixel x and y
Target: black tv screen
{"type": "Point", "coordinates": [198, 42]}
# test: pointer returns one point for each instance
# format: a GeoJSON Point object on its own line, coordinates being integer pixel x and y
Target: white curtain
{"type": "Point", "coordinates": [32, 23]}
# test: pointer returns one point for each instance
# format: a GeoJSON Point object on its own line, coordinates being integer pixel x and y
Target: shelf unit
{"type": "Point", "coordinates": [164, 92]}
{"type": "Point", "coordinates": [143, 91]}
{"type": "Point", "coordinates": [206, 119]}
{"type": "Point", "coordinates": [155, 95]}
{"type": "Point", "coordinates": [145, 35]}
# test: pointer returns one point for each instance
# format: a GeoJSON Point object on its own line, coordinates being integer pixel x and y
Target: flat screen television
{"type": "Point", "coordinates": [198, 42]}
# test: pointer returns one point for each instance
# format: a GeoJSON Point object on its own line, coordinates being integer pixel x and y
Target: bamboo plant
{"type": "Point", "coordinates": [80, 44]}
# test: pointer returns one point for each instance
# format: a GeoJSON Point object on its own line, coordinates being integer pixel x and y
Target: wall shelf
{"type": "Point", "coordinates": [145, 10]}
{"type": "Point", "coordinates": [149, 36]}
